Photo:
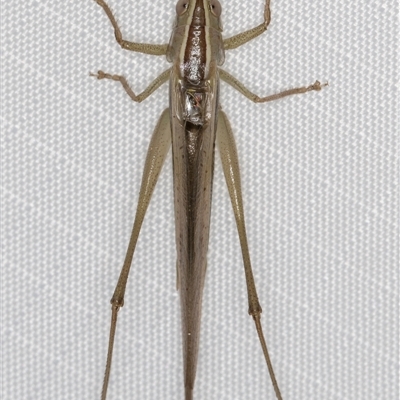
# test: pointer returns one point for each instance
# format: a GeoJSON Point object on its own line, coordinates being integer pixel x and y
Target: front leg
{"type": "Point", "coordinates": [154, 49]}
{"type": "Point", "coordinates": [228, 78]}
{"type": "Point", "coordinates": [244, 37]}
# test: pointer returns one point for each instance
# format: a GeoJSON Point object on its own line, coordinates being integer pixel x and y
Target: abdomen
{"type": "Point", "coordinates": [193, 124]}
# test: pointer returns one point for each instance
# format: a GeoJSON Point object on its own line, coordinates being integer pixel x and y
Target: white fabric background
{"type": "Point", "coordinates": [319, 184]}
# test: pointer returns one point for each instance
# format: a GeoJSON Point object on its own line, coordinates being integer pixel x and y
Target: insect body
{"type": "Point", "coordinates": [193, 123]}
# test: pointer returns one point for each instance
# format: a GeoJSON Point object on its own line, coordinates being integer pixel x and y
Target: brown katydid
{"type": "Point", "coordinates": [193, 123]}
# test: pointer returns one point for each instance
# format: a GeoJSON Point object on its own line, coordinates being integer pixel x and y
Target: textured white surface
{"type": "Point", "coordinates": [319, 181]}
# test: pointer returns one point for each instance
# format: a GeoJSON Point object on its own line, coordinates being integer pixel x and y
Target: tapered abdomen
{"type": "Point", "coordinates": [193, 111]}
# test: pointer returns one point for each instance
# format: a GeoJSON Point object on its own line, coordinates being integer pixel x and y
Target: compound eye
{"type": "Point", "coordinates": [181, 7]}
{"type": "Point", "coordinates": [216, 8]}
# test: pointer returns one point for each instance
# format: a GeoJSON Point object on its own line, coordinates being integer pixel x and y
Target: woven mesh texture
{"type": "Point", "coordinates": [319, 184]}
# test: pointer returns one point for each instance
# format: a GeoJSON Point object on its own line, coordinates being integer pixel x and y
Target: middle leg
{"type": "Point", "coordinates": [228, 78]}
{"type": "Point", "coordinates": [136, 97]}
